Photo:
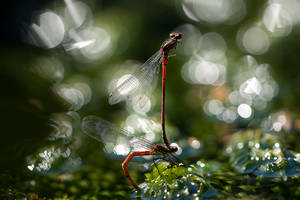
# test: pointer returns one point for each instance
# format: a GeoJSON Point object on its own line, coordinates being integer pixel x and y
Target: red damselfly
{"type": "Point", "coordinates": [123, 140]}
{"type": "Point", "coordinates": [143, 80]}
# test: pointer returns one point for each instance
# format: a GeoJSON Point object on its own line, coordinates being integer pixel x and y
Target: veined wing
{"type": "Point", "coordinates": [173, 160]}
{"type": "Point", "coordinates": [143, 80]}
{"type": "Point", "coordinates": [115, 139]}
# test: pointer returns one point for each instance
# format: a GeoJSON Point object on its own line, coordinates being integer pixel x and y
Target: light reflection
{"type": "Point", "coordinates": [215, 11]}
{"type": "Point", "coordinates": [207, 64]}
{"type": "Point", "coordinates": [259, 104]}
{"type": "Point", "coordinates": [76, 13]}
{"type": "Point", "coordinates": [121, 149]}
{"type": "Point", "coordinates": [234, 97]}
{"type": "Point", "coordinates": [206, 72]}
{"type": "Point", "coordinates": [43, 163]}
{"type": "Point", "coordinates": [277, 20]}
{"type": "Point", "coordinates": [257, 145]}
{"type": "Point", "coordinates": [267, 156]}
{"type": "Point", "coordinates": [229, 115]}
{"type": "Point", "coordinates": [62, 130]}
{"type": "Point", "coordinates": [250, 90]}
{"type": "Point", "coordinates": [186, 74]}
{"type": "Point", "coordinates": [203, 72]}
{"type": "Point", "coordinates": [251, 86]}
{"type": "Point", "coordinates": [269, 91]}
{"type": "Point", "coordinates": [244, 110]}
{"type": "Point", "coordinates": [126, 86]}
{"type": "Point", "coordinates": [129, 129]}
{"type": "Point", "coordinates": [255, 41]}
{"type": "Point", "coordinates": [132, 120]}
{"type": "Point", "coordinates": [73, 30]}
{"type": "Point", "coordinates": [179, 151]}
{"type": "Point", "coordinates": [77, 94]}
{"type": "Point", "coordinates": [297, 157]}
{"type": "Point", "coordinates": [279, 121]}
{"type": "Point", "coordinates": [214, 107]}
{"type": "Point", "coordinates": [201, 164]}
{"type": "Point", "coordinates": [141, 103]}
{"type": "Point", "coordinates": [89, 44]}
{"type": "Point", "coordinates": [194, 143]}
{"type": "Point", "coordinates": [127, 90]}
{"type": "Point", "coordinates": [79, 45]}
{"type": "Point", "coordinates": [98, 48]}
{"type": "Point", "coordinates": [85, 90]}
{"type": "Point", "coordinates": [191, 38]}
{"type": "Point", "coordinates": [150, 136]}
{"type": "Point", "coordinates": [50, 31]}
{"type": "Point", "coordinates": [292, 7]}
{"type": "Point", "coordinates": [122, 146]}
{"type": "Point", "coordinates": [109, 147]}
{"type": "Point", "coordinates": [49, 68]}
{"type": "Point", "coordinates": [277, 126]}
{"type": "Point", "coordinates": [262, 72]}
{"type": "Point", "coordinates": [143, 125]}
{"type": "Point", "coordinates": [47, 159]}
{"type": "Point", "coordinates": [71, 95]}
{"type": "Point", "coordinates": [212, 47]}
{"type": "Point", "coordinates": [240, 145]}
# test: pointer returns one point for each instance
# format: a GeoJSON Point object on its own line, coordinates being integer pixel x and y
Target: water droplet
{"type": "Point", "coordinates": [240, 145]}
{"type": "Point", "coordinates": [257, 145]}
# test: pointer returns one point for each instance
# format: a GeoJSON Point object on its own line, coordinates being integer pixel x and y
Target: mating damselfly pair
{"type": "Point", "coordinates": [141, 81]}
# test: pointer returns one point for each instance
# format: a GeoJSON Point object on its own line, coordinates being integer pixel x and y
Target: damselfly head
{"type": "Point", "coordinates": [175, 35]}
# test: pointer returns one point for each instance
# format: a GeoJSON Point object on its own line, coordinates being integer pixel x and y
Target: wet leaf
{"type": "Point", "coordinates": [263, 155]}
{"type": "Point", "coordinates": [178, 182]}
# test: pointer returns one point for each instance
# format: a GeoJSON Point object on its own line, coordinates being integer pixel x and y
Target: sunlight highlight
{"type": "Point", "coordinates": [215, 11]}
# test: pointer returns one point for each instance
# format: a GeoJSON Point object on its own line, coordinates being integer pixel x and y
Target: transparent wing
{"type": "Point", "coordinates": [115, 139]}
{"type": "Point", "coordinates": [173, 160]}
{"type": "Point", "coordinates": [143, 81]}
{"type": "Point", "coordinates": [169, 157]}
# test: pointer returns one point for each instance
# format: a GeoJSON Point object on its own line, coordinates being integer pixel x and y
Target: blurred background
{"type": "Point", "coordinates": [236, 70]}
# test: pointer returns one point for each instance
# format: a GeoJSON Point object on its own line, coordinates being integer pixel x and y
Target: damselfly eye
{"type": "Point", "coordinates": [172, 35]}
{"type": "Point", "coordinates": [176, 36]}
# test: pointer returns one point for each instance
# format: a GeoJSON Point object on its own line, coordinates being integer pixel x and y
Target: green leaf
{"type": "Point", "coordinates": [184, 182]}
